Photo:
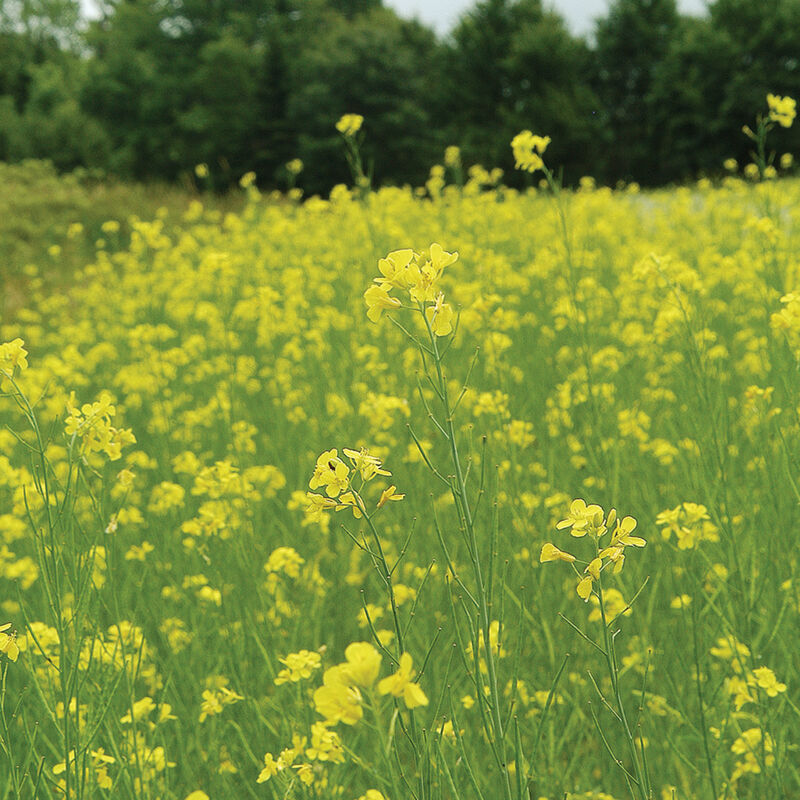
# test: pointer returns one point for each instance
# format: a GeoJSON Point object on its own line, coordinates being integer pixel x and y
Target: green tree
{"type": "Point", "coordinates": [511, 66]}
{"type": "Point", "coordinates": [632, 43]}
{"type": "Point", "coordinates": [685, 101]}
{"type": "Point", "coordinates": [765, 39]}
{"type": "Point", "coordinates": [377, 65]}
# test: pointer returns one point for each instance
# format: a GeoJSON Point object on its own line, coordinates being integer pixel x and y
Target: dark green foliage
{"type": "Point", "coordinates": [153, 87]}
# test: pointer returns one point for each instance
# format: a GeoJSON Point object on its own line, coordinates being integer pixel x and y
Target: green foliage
{"type": "Point", "coordinates": [150, 89]}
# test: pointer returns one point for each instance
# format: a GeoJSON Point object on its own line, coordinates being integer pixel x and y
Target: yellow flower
{"type": "Point", "coordinates": [766, 680]}
{"type": "Point", "coordinates": [337, 700]}
{"type": "Point", "coordinates": [201, 170]}
{"type": "Point", "coordinates": [394, 269]}
{"type": "Point", "coordinates": [295, 166]}
{"type": "Point", "coordinates": [440, 316]}
{"type": "Point", "coordinates": [551, 553]}
{"type": "Point", "coordinates": [452, 156]}
{"type": "Point", "coordinates": [298, 665]}
{"type": "Point", "coordinates": [8, 642]}
{"type": "Point", "coordinates": [389, 494]}
{"type": "Point", "coordinates": [782, 110]}
{"type": "Point", "coordinates": [330, 472]}
{"type": "Point", "coordinates": [368, 466]}
{"type": "Point", "coordinates": [582, 518]}
{"type": "Point", "coordinates": [622, 534]}
{"type": "Point", "coordinates": [401, 684]}
{"type": "Point", "coordinates": [379, 300]}
{"type": "Point", "coordinates": [13, 354]}
{"type": "Point", "coordinates": [528, 150]}
{"type": "Point", "coordinates": [270, 768]}
{"type": "Point", "coordinates": [350, 124]}
{"type": "Point", "coordinates": [584, 588]}
{"type": "Point", "coordinates": [363, 663]}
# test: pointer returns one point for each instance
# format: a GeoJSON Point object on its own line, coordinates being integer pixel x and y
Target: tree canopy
{"type": "Point", "coordinates": [152, 87]}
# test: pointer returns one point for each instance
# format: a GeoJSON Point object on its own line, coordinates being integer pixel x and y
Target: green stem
{"type": "Point", "coordinates": [462, 501]}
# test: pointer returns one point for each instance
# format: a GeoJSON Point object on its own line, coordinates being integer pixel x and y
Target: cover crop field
{"type": "Point", "coordinates": [462, 493]}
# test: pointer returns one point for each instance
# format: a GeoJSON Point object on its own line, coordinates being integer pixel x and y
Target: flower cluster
{"type": "Point", "coordinates": [91, 424]}
{"type": "Point", "coordinates": [298, 666]}
{"type": "Point", "coordinates": [339, 699]}
{"type": "Point", "coordinates": [13, 355]}
{"type": "Point", "coordinates": [591, 520]}
{"type": "Point", "coordinates": [334, 477]}
{"type": "Point", "coordinates": [418, 274]}
{"type": "Point", "coordinates": [782, 110]}
{"type": "Point", "coordinates": [528, 150]}
{"type": "Point", "coordinates": [690, 524]}
{"type": "Point", "coordinates": [742, 687]}
{"type": "Point", "coordinates": [349, 125]}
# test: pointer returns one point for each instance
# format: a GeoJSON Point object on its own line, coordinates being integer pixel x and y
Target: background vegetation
{"type": "Point", "coordinates": [152, 88]}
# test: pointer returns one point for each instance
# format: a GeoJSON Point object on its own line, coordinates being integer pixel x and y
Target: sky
{"type": "Point", "coordinates": [442, 14]}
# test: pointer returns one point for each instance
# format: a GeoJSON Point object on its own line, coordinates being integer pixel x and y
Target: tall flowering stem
{"type": "Point", "coordinates": [415, 276]}
{"type": "Point", "coordinates": [610, 537]}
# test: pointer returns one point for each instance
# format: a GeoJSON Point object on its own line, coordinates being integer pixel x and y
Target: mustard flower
{"type": "Point", "coordinates": [294, 167]}
{"type": "Point", "coordinates": [782, 110]}
{"type": "Point", "coordinates": [269, 770]}
{"type": "Point", "coordinates": [298, 666]}
{"type": "Point", "coordinates": [363, 663]}
{"type": "Point", "coordinates": [349, 124]}
{"type": "Point", "coordinates": [325, 744]}
{"type": "Point", "coordinates": [452, 156]}
{"type": "Point", "coordinates": [407, 270]}
{"type": "Point", "coordinates": [401, 684]}
{"type": "Point", "coordinates": [367, 466]}
{"type": "Point", "coordinates": [766, 680]}
{"type": "Point", "coordinates": [440, 316]}
{"type": "Point", "coordinates": [379, 300]}
{"type": "Point", "coordinates": [551, 553]}
{"type": "Point", "coordinates": [582, 518]}
{"type": "Point", "coordinates": [528, 150]}
{"type": "Point", "coordinates": [215, 700]}
{"type": "Point", "coordinates": [305, 772]}
{"type": "Point", "coordinates": [389, 494]}
{"type": "Point", "coordinates": [8, 642]}
{"type": "Point", "coordinates": [317, 505]}
{"type": "Point", "coordinates": [13, 354]}
{"type": "Point", "coordinates": [337, 700]}
{"type": "Point", "coordinates": [331, 473]}
{"type": "Point", "coordinates": [394, 269]}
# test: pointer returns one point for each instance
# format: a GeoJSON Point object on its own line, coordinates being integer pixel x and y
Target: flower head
{"type": "Point", "coordinates": [782, 110]}
{"type": "Point", "coordinates": [528, 149]}
{"type": "Point", "coordinates": [401, 684]}
{"type": "Point", "coordinates": [350, 124]}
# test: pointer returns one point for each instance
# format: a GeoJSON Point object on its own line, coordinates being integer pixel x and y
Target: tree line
{"type": "Point", "coordinates": [150, 88]}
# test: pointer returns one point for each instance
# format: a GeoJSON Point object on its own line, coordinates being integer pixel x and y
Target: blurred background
{"type": "Point", "coordinates": [653, 91]}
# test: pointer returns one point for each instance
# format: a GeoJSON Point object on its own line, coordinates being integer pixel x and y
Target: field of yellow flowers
{"type": "Point", "coordinates": [457, 493]}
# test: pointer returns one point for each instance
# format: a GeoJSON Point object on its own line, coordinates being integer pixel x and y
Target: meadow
{"type": "Point", "coordinates": [459, 492]}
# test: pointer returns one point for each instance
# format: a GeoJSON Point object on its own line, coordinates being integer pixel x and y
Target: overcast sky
{"type": "Point", "coordinates": [442, 14]}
